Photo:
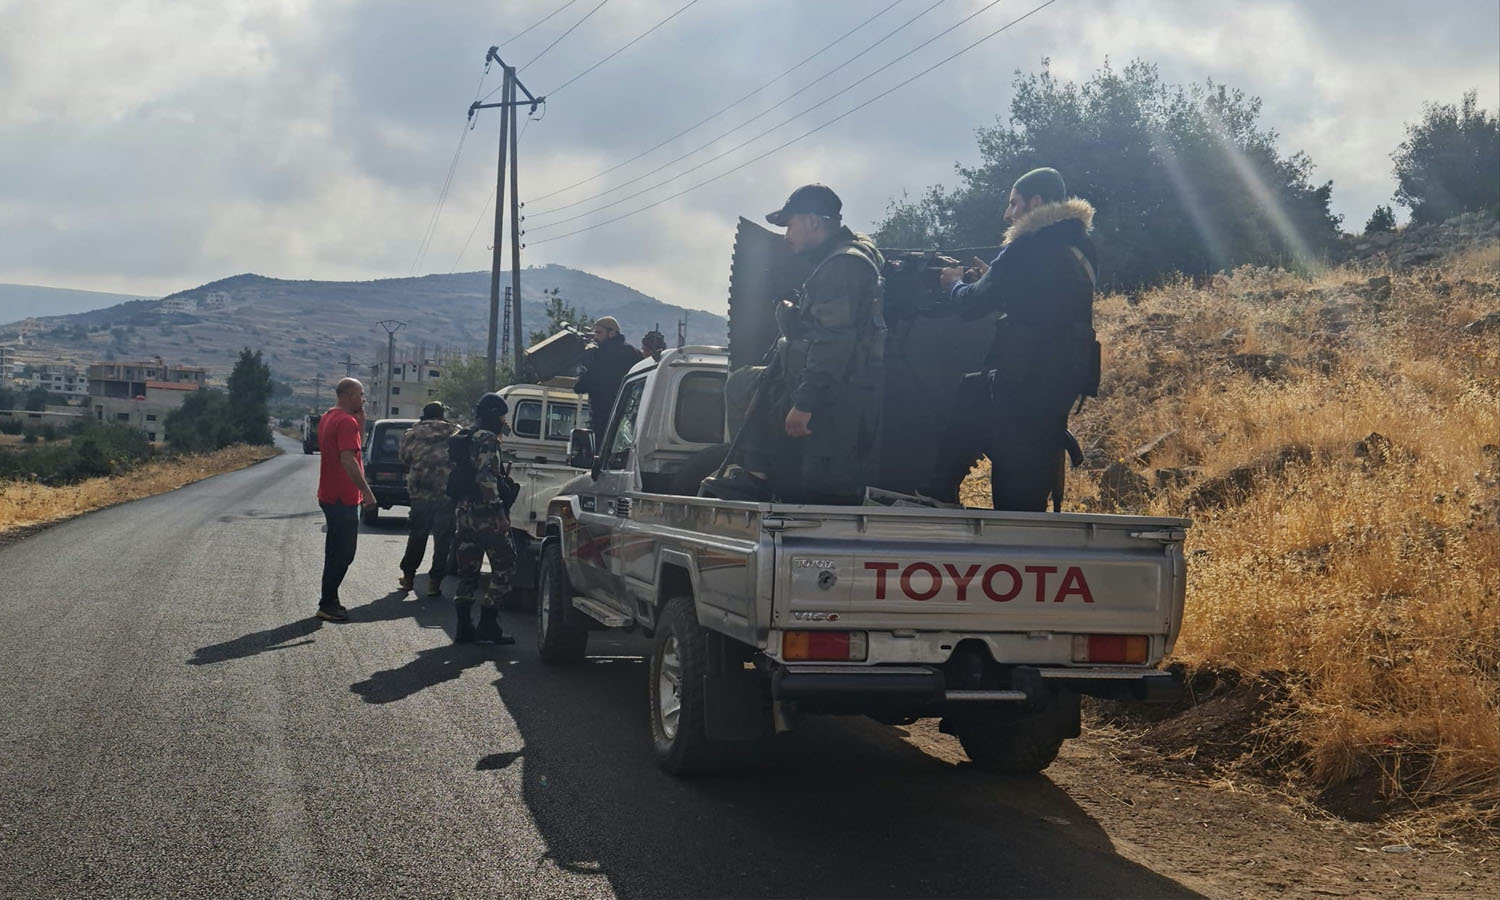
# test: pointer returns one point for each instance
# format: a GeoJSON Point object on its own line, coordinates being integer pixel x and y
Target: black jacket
{"type": "Point", "coordinates": [1043, 282]}
{"type": "Point", "coordinates": [605, 366]}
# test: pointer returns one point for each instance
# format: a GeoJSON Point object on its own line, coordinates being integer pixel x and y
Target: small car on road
{"type": "Point", "coordinates": [383, 466]}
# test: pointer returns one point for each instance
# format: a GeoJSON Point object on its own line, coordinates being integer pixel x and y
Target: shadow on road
{"type": "Point", "coordinates": [428, 612]}
{"type": "Point", "coordinates": [841, 807]}
{"type": "Point", "coordinates": [431, 667]}
{"type": "Point", "coordinates": [258, 642]}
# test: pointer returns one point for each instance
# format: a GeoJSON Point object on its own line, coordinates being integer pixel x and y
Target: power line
{"type": "Point", "coordinates": [487, 200]}
{"type": "Point", "coordinates": [690, 170]}
{"type": "Point", "coordinates": [783, 146]}
{"type": "Point", "coordinates": [523, 32]}
{"type": "Point", "coordinates": [432, 222]}
{"type": "Point", "coordinates": [438, 209]}
{"type": "Point", "coordinates": [563, 35]}
{"type": "Point", "coordinates": [704, 146]}
{"type": "Point", "coordinates": [721, 110]}
{"type": "Point", "coordinates": [606, 59]}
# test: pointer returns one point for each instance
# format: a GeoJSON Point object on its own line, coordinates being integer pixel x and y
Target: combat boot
{"type": "Point", "coordinates": [463, 631]}
{"type": "Point", "coordinates": [489, 626]}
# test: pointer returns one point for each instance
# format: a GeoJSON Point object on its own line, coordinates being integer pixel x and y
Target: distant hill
{"type": "Point", "coordinates": [308, 328]}
{"type": "Point", "coordinates": [21, 301]}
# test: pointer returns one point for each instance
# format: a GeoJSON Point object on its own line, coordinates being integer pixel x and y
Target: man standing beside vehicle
{"type": "Point", "coordinates": [424, 451]}
{"type": "Point", "coordinates": [605, 365]}
{"type": "Point", "coordinates": [484, 494]}
{"type": "Point", "coordinates": [1044, 355]}
{"type": "Point", "coordinates": [342, 490]}
{"type": "Point", "coordinates": [810, 435]}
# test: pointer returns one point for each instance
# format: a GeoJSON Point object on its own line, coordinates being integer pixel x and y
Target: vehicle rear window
{"type": "Point", "coordinates": [527, 421]}
{"type": "Point", "coordinates": [386, 444]}
{"type": "Point", "coordinates": [699, 417]}
{"type": "Point", "coordinates": [560, 420]}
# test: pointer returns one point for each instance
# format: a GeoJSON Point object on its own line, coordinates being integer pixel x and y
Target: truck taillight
{"type": "Point", "coordinates": [1110, 648]}
{"type": "Point", "coordinates": [801, 646]}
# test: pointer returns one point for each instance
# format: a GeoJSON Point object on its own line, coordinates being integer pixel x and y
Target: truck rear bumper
{"type": "Point", "coordinates": [850, 688]}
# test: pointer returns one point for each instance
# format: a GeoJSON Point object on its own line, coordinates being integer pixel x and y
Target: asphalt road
{"type": "Point", "coordinates": [176, 723]}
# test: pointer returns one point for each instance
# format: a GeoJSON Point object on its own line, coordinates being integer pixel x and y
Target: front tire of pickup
{"type": "Point", "coordinates": [558, 642]}
{"type": "Point", "coordinates": [1015, 747]}
{"type": "Point", "coordinates": [679, 662]}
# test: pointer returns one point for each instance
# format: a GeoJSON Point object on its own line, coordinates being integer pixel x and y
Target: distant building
{"type": "Point", "coordinates": [10, 366]}
{"type": "Point", "coordinates": [141, 394]}
{"type": "Point", "coordinates": [62, 380]}
{"type": "Point", "coordinates": [413, 385]}
{"type": "Point", "coordinates": [28, 327]}
{"type": "Point", "coordinates": [129, 379]}
{"type": "Point", "coordinates": [179, 304]}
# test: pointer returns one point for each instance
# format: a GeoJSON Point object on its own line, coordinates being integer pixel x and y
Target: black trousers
{"type": "Point", "coordinates": [1024, 447]}
{"type": "Point", "coordinates": [429, 518]}
{"type": "Point", "coordinates": [338, 547]}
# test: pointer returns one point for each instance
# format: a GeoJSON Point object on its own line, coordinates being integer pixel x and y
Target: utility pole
{"type": "Point", "coordinates": [317, 391]}
{"type": "Point", "coordinates": [682, 331]}
{"type": "Point", "coordinates": [391, 326]}
{"type": "Point", "coordinates": [505, 332]}
{"type": "Point", "coordinates": [508, 135]}
{"type": "Point", "coordinates": [348, 365]}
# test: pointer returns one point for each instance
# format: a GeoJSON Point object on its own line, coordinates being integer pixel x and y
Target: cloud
{"type": "Point", "coordinates": [164, 144]}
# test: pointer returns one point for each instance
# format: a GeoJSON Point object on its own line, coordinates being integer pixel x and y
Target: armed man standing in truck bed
{"type": "Point", "coordinates": [810, 434]}
{"type": "Point", "coordinates": [1044, 355]}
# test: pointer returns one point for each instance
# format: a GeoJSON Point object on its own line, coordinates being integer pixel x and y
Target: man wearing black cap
{"type": "Point", "coordinates": [809, 436]}
{"type": "Point", "coordinates": [1044, 355]}
{"type": "Point", "coordinates": [424, 450]}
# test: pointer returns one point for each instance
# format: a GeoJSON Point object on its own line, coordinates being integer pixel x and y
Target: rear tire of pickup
{"type": "Point", "coordinates": [371, 515]}
{"type": "Point", "coordinates": [1023, 747]}
{"type": "Point", "coordinates": [558, 642]}
{"type": "Point", "coordinates": [679, 662]}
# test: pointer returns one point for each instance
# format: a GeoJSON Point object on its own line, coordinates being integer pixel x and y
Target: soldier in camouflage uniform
{"type": "Point", "coordinates": [424, 450]}
{"type": "Point", "coordinates": [812, 435]}
{"type": "Point", "coordinates": [484, 526]}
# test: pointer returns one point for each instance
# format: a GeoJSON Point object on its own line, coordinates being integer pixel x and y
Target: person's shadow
{"type": "Point", "coordinates": [428, 612]}
{"type": "Point", "coordinates": [431, 667]}
{"type": "Point", "coordinates": [281, 637]}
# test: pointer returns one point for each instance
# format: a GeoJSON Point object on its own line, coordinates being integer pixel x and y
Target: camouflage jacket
{"type": "Point", "coordinates": [835, 337]}
{"type": "Point", "coordinates": [484, 451]}
{"type": "Point", "coordinates": [424, 450]}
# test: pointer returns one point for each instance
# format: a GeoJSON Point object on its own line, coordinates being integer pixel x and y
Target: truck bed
{"type": "Point", "coordinates": [762, 567]}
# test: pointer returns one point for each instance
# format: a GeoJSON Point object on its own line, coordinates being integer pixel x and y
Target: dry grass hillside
{"type": "Point", "coordinates": [1336, 441]}
{"type": "Point", "coordinates": [26, 505]}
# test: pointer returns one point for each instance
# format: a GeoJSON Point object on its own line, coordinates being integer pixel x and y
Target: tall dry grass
{"type": "Point", "coordinates": [1365, 570]}
{"type": "Point", "coordinates": [27, 504]}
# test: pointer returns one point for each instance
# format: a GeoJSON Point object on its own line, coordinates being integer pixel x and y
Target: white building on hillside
{"type": "Point", "coordinates": [413, 385]}
{"type": "Point", "coordinates": [62, 380]}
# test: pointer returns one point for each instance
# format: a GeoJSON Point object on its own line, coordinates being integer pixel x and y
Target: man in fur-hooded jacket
{"type": "Point", "coordinates": [1044, 355]}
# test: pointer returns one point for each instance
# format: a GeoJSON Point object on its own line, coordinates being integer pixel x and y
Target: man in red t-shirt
{"type": "Point", "coordinates": [342, 490]}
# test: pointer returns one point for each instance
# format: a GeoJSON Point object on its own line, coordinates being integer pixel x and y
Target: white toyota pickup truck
{"type": "Point", "coordinates": [996, 622]}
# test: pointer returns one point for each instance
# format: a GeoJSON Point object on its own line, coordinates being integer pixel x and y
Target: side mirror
{"type": "Point", "coordinates": [581, 448]}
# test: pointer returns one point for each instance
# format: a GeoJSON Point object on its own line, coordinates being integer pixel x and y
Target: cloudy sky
{"type": "Point", "coordinates": [148, 146]}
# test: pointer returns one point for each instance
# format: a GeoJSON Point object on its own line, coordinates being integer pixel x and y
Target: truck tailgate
{"type": "Point", "coordinates": [978, 571]}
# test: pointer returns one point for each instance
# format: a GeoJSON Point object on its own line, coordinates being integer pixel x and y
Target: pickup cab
{"type": "Point", "coordinates": [761, 613]}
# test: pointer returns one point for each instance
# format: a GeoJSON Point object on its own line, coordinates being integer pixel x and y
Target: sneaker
{"type": "Point", "coordinates": [405, 581]}
{"type": "Point", "coordinates": [434, 586]}
{"type": "Point", "coordinates": [333, 614]}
